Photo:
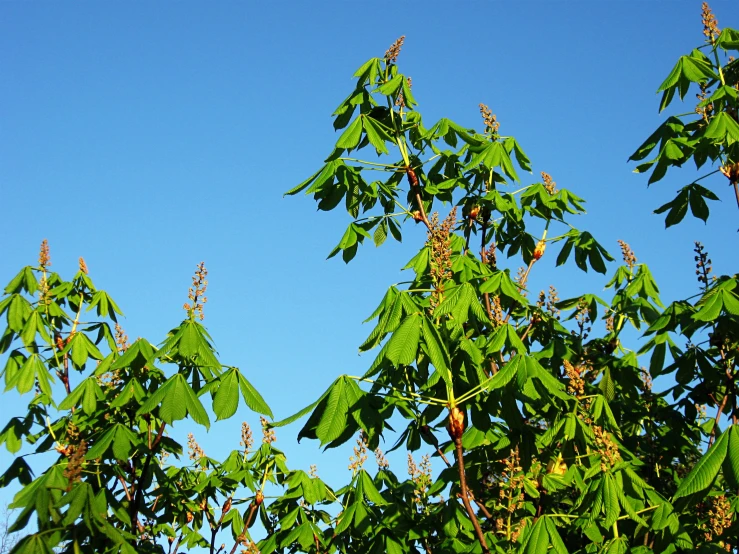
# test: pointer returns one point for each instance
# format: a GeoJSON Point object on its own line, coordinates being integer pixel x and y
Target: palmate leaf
{"type": "Point", "coordinates": [694, 68]}
{"type": "Point", "coordinates": [723, 129]}
{"type": "Point", "coordinates": [88, 391]}
{"type": "Point", "coordinates": [106, 307]}
{"type": "Point", "coordinates": [33, 370]}
{"type": "Point", "coordinates": [139, 354]}
{"type": "Point", "coordinates": [175, 399]}
{"type": "Point", "coordinates": [25, 280]}
{"type": "Point", "coordinates": [587, 250]}
{"type": "Point", "coordinates": [693, 196]}
{"type": "Point", "coordinates": [706, 470]}
{"type": "Point", "coordinates": [671, 127]}
{"type": "Point", "coordinates": [120, 437]}
{"type": "Point", "coordinates": [370, 490]}
{"type": "Point", "coordinates": [34, 544]}
{"type": "Point", "coordinates": [376, 134]}
{"type": "Point", "coordinates": [12, 434]}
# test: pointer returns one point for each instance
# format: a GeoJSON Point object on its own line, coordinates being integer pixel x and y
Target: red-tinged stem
{"type": "Point", "coordinates": [421, 209]}
{"type": "Point", "coordinates": [465, 496]}
{"type": "Point", "coordinates": [125, 488]}
{"type": "Point", "coordinates": [177, 544]}
{"type": "Point", "coordinates": [481, 507]}
{"type": "Point", "coordinates": [718, 417]}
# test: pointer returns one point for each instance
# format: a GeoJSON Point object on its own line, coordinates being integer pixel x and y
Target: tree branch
{"type": "Point", "coordinates": [465, 496]}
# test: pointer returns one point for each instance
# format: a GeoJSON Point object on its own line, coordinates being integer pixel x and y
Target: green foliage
{"type": "Point", "coordinates": [548, 432]}
{"type": "Point", "coordinates": [710, 132]}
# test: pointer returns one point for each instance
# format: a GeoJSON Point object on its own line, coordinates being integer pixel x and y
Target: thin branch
{"type": "Point", "coordinates": [718, 417]}
{"type": "Point", "coordinates": [465, 496]}
{"type": "Point", "coordinates": [140, 490]}
{"type": "Point", "coordinates": [125, 488]}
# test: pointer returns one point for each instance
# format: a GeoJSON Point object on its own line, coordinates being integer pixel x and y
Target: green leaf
{"type": "Point", "coordinates": [554, 538]}
{"type": "Point", "coordinates": [175, 399]}
{"type": "Point", "coordinates": [698, 207]}
{"type": "Point", "coordinates": [706, 470]}
{"type": "Point", "coordinates": [226, 399]}
{"type": "Point", "coordinates": [345, 519]}
{"type": "Point", "coordinates": [610, 500]}
{"type": "Point", "coordinates": [537, 541]}
{"type": "Point", "coordinates": [606, 385]}
{"type": "Point", "coordinates": [334, 418]}
{"type": "Point", "coordinates": [33, 370]}
{"type": "Point", "coordinates": [690, 69]}
{"type": "Point", "coordinates": [723, 129]}
{"type": "Point", "coordinates": [252, 397]}
{"type": "Point", "coordinates": [349, 139]}
{"type": "Point", "coordinates": [369, 489]}
{"type": "Point", "coordinates": [376, 134]}
{"type": "Point", "coordinates": [106, 307]}
{"type": "Point", "coordinates": [89, 392]}
{"type": "Point", "coordinates": [403, 344]}
{"type": "Point", "coordinates": [678, 207]}
{"type": "Point", "coordinates": [436, 351]}
{"type": "Point", "coordinates": [18, 311]}
{"type": "Point", "coordinates": [731, 463]}
{"type": "Point", "coordinates": [33, 544]}
{"type": "Point", "coordinates": [120, 437]}
{"type": "Point", "coordinates": [505, 374]}
{"type": "Point", "coordinates": [380, 233]}
{"type": "Point", "coordinates": [391, 86]}
{"type": "Point", "coordinates": [711, 308]}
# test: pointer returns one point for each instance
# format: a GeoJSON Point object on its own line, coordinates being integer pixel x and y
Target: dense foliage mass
{"type": "Point", "coordinates": [547, 425]}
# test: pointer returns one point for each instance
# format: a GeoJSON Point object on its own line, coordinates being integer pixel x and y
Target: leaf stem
{"type": "Point", "coordinates": [418, 397]}
{"type": "Point", "coordinates": [363, 162]}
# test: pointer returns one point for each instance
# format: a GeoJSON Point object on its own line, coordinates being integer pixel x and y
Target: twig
{"type": "Point", "coordinates": [140, 490]}
{"type": "Point", "coordinates": [177, 544]}
{"type": "Point", "coordinates": [125, 488]}
{"type": "Point", "coordinates": [465, 494]}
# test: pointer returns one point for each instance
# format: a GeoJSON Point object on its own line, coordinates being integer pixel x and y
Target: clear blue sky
{"type": "Point", "coordinates": [148, 136]}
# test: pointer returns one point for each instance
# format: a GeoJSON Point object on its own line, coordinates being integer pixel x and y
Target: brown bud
{"type": "Point", "coordinates": [417, 216]}
{"type": "Point", "coordinates": [259, 498]}
{"type": "Point", "coordinates": [539, 250]}
{"type": "Point", "coordinates": [456, 423]}
{"type": "Point", "coordinates": [412, 177]}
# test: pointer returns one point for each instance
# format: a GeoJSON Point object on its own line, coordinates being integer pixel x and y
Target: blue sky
{"type": "Point", "coordinates": [147, 137]}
